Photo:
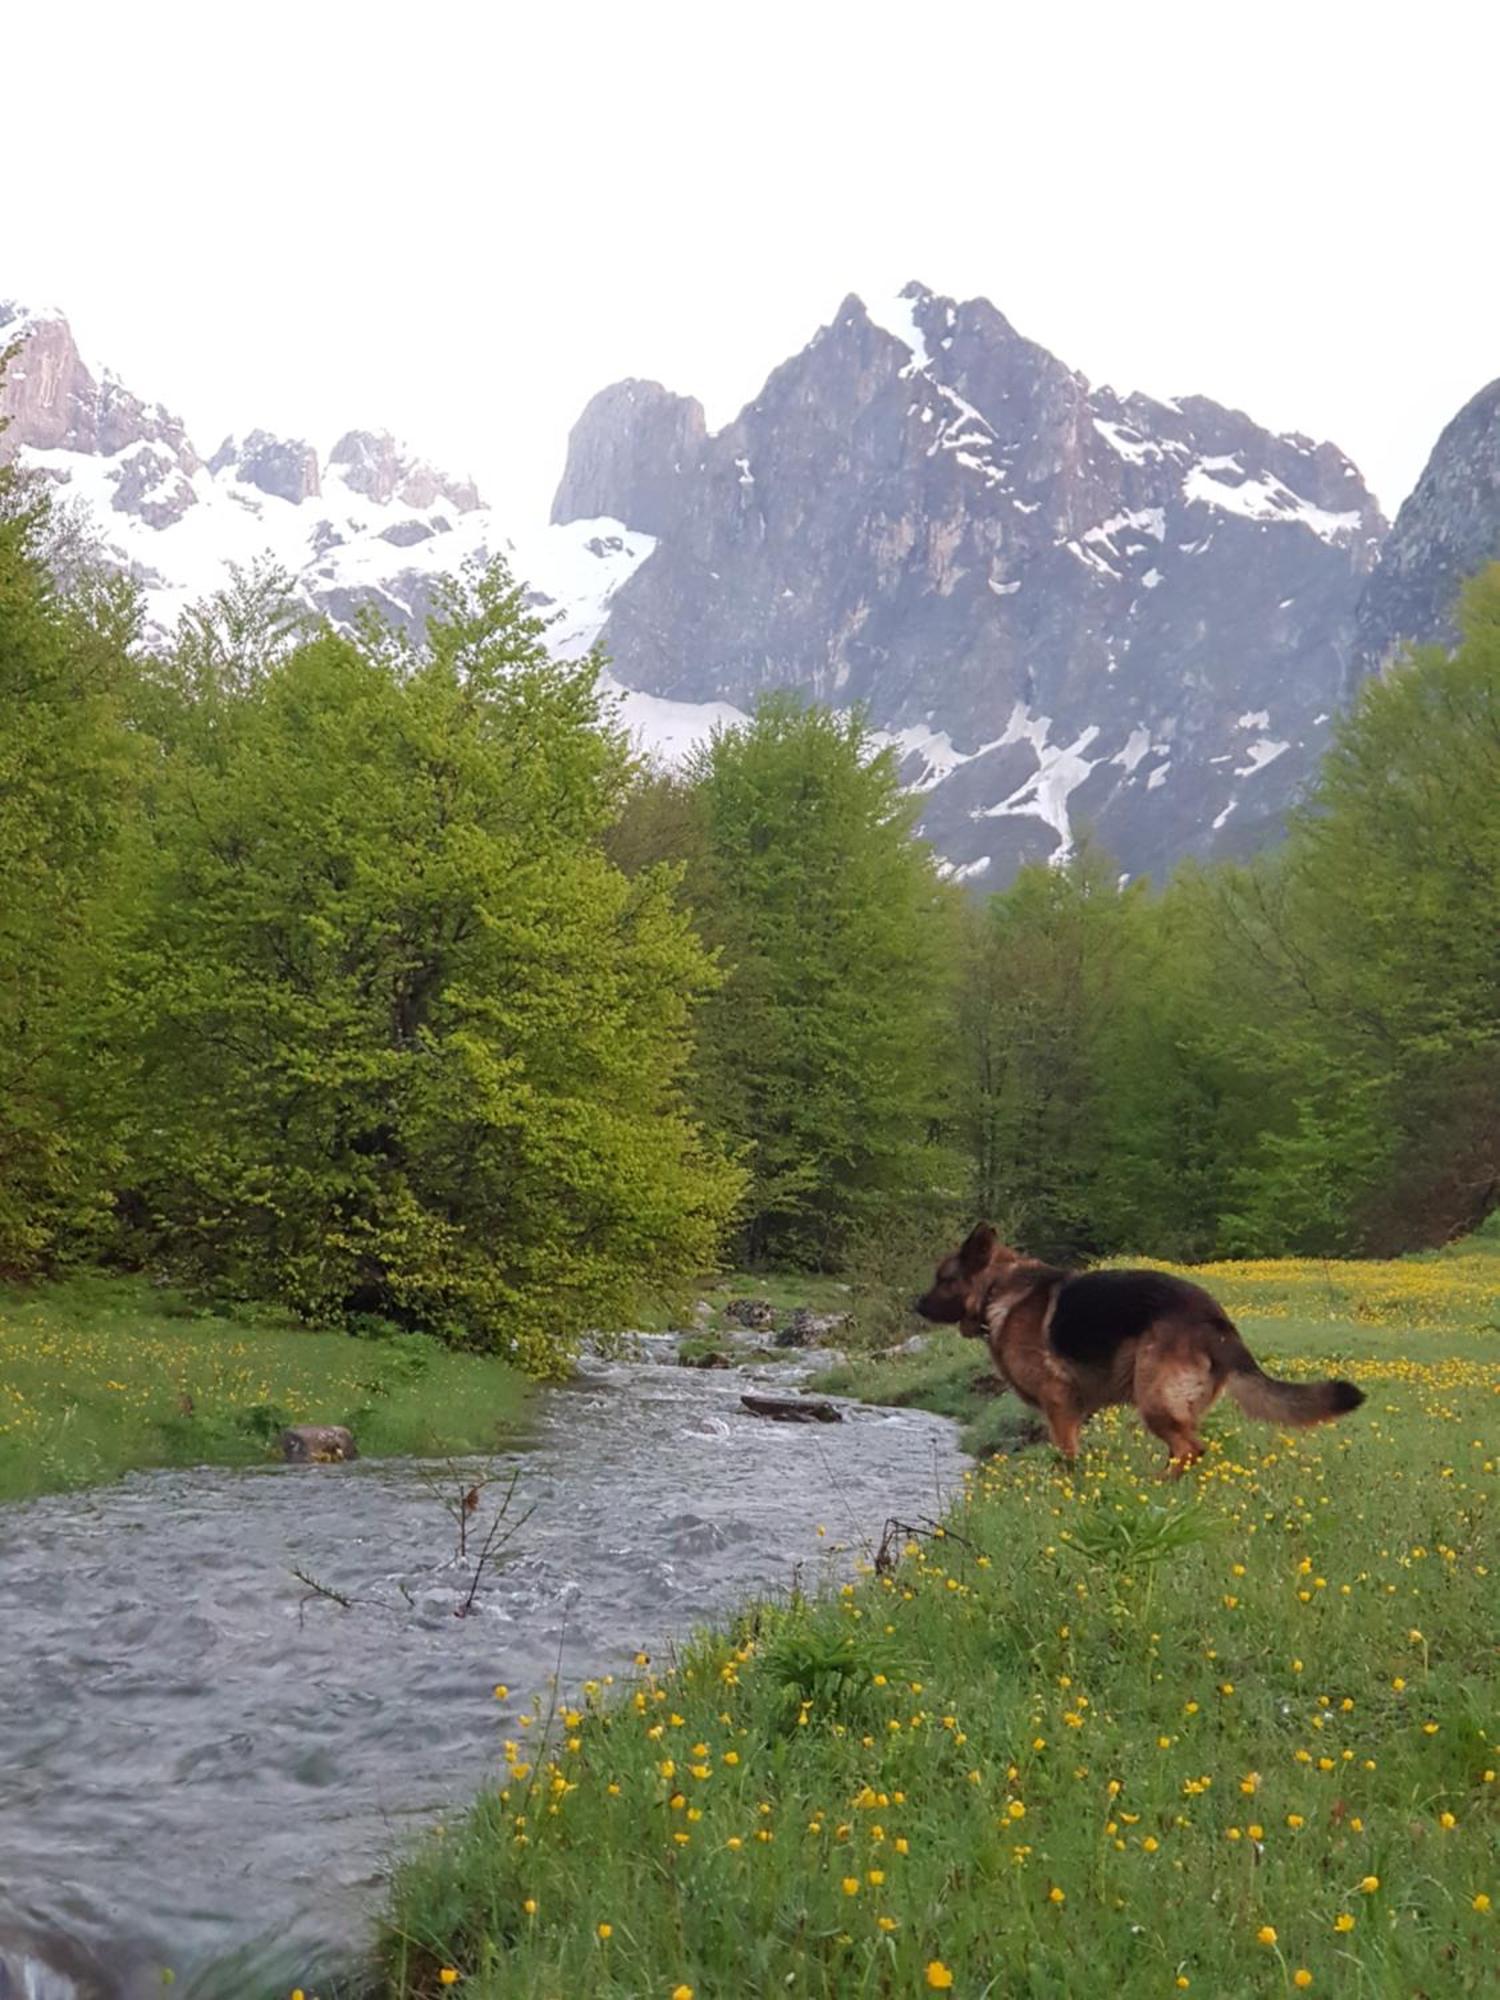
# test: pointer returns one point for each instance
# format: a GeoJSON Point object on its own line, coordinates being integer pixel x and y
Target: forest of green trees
{"type": "Point", "coordinates": [378, 978]}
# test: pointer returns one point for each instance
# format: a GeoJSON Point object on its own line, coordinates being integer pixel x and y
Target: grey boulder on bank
{"type": "Point", "coordinates": [318, 1444]}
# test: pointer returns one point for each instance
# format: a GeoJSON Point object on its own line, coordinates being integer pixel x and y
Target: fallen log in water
{"type": "Point", "coordinates": [792, 1409]}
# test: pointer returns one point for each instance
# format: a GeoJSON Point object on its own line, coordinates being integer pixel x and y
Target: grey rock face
{"type": "Point", "coordinates": [1068, 608]}
{"type": "Point", "coordinates": [1448, 529]}
{"type": "Point", "coordinates": [286, 468]}
{"type": "Point", "coordinates": [635, 442]}
{"type": "Point", "coordinates": [372, 463]}
{"type": "Point", "coordinates": [53, 403]}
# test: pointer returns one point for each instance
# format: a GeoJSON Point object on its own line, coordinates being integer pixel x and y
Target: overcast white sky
{"type": "Point", "coordinates": [459, 220]}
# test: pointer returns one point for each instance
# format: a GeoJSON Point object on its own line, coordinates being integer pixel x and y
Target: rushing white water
{"type": "Point", "coordinates": [198, 1759]}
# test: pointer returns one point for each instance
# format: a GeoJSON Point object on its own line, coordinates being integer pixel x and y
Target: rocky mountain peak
{"type": "Point", "coordinates": [1448, 529]}
{"type": "Point", "coordinates": [632, 456]}
{"type": "Point", "coordinates": [57, 405]}
{"type": "Point", "coordinates": [1066, 606]}
{"type": "Point", "coordinates": [375, 464]}
{"type": "Point", "coordinates": [286, 468]}
{"type": "Point", "coordinates": [373, 525]}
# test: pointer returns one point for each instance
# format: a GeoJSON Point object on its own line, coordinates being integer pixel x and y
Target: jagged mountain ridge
{"type": "Point", "coordinates": [1065, 606]}
{"type": "Point", "coordinates": [369, 522]}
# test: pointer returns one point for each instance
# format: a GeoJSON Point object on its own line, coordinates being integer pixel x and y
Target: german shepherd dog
{"type": "Point", "coordinates": [1069, 1343]}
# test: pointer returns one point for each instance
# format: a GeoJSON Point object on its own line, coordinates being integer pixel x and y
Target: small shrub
{"type": "Point", "coordinates": [817, 1661]}
{"type": "Point", "coordinates": [263, 1421]}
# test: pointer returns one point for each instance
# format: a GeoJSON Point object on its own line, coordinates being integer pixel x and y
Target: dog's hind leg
{"type": "Point", "coordinates": [1172, 1392]}
{"type": "Point", "coordinates": [1184, 1446]}
{"type": "Point", "coordinates": [1064, 1423]}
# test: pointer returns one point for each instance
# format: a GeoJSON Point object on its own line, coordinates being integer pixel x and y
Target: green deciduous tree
{"type": "Point", "coordinates": [822, 1057]}
{"type": "Point", "coordinates": [405, 1040]}
{"type": "Point", "coordinates": [1386, 945]}
{"type": "Point", "coordinates": [66, 772]}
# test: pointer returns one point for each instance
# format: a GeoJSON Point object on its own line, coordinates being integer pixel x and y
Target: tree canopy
{"type": "Point", "coordinates": [378, 976]}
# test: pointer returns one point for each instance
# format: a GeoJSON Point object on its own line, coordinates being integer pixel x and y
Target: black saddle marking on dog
{"type": "Point", "coordinates": [1097, 1312]}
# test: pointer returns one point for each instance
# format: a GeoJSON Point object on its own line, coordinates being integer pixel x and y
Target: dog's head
{"type": "Point", "coordinates": [957, 1293]}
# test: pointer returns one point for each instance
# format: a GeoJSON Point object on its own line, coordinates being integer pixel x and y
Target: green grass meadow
{"type": "Point", "coordinates": [1235, 1736]}
{"type": "Point", "coordinates": [103, 1375]}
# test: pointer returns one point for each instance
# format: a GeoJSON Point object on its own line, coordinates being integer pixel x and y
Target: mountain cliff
{"type": "Point", "coordinates": [1446, 530]}
{"type": "Point", "coordinates": [1067, 609]}
{"type": "Point", "coordinates": [1064, 606]}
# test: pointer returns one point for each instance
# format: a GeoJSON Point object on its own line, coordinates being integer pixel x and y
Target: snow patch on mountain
{"type": "Point", "coordinates": [1137, 746]}
{"type": "Point", "coordinates": [924, 756]}
{"type": "Point", "coordinates": [1061, 769]}
{"type": "Point", "coordinates": [897, 316]}
{"type": "Point", "coordinates": [663, 731]}
{"type": "Point", "coordinates": [1261, 498]}
{"type": "Point", "coordinates": [1128, 442]}
{"type": "Point", "coordinates": [1260, 753]}
{"type": "Point", "coordinates": [968, 871]}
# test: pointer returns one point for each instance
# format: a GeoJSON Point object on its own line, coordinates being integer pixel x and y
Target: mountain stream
{"type": "Point", "coordinates": [207, 1766]}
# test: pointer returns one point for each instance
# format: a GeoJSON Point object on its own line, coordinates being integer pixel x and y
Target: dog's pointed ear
{"type": "Point", "coordinates": [977, 1249]}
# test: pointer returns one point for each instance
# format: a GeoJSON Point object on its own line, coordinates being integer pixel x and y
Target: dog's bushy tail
{"type": "Point", "coordinates": [1273, 1402]}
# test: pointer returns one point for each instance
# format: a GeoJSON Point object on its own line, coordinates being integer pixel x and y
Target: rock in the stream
{"type": "Point", "coordinates": [317, 1444]}
{"type": "Point", "coordinates": [806, 1328]}
{"type": "Point", "coordinates": [708, 1357]}
{"type": "Point", "coordinates": [916, 1344]}
{"type": "Point", "coordinates": [792, 1409]}
{"type": "Point", "coordinates": [757, 1314]}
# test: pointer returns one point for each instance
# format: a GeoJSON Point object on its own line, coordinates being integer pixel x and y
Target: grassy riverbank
{"type": "Point", "coordinates": [1235, 1737]}
{"type": "Point", "coordinates": [1284, 1306]}
{"type": "Point", "coordinates": [784, 1292]}
{"type": "Point", "coordinates": [102, 1375]}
